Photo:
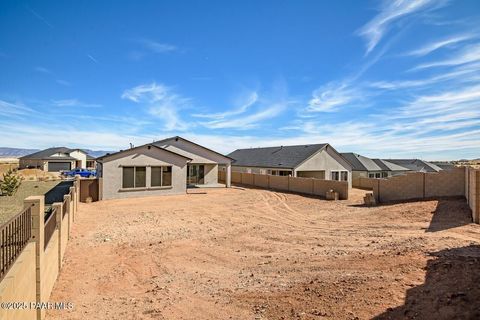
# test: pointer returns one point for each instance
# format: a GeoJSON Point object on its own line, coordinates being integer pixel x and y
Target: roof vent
{"type": "Point", "coordinates": [149, 147]}
{"type": "Point", "coordinates": [176, 139]}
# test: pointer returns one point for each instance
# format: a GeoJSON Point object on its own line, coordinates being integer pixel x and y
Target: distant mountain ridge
{"type": "Point", "coordinates": [6, 152]}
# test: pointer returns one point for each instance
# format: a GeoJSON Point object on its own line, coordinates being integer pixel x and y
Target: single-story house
{"type": "Point", "coordinates": [319, 161]}
{"type": "Point", "coordinates": [416, 165]}
{"type": "Point", "coordinates": [56, 159]}
{"type": "Point", "coordinates": [372, 168]}
{"type": "Point", "coordinates": [167, 166]}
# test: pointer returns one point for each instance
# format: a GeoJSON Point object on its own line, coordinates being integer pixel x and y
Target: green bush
{"type": "Point", "coordinates": [10, 183]}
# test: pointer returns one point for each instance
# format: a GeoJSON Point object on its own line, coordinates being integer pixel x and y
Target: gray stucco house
{"type": "Point", "coordinates": [372, 168]}
{"type": "Point", "coordinates": [167, 166]}
{"type": "Point", "coordinates": [320, 161]}
{"type": "Point", "coordinates": [57, 159]}
{"type": "Point", "coordinates": [416, 165]}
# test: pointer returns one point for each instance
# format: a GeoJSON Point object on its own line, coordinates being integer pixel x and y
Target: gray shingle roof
{"type": "Point", "coordinates": [275, 157]}
{"type": "Point", "coordinates": [362, 163]}
{"type": "Point", "coordinates": [416, 165]}
{"type": "Point", "coordinates": [47, 153]}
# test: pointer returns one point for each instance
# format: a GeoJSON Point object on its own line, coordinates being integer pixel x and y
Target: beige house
{"type": "Point", "coordinates": [167, 166]}
{"type": "Point", "coordinates": [320, 161]}
{"type": "Point", "coordinates": [56, 159]}
{"type": "Point", "coordinates": [364, 167]}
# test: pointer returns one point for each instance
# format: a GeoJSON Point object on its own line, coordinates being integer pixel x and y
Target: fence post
{"type": "Point", "coordinates": [67, 198]}
{"type": "Point", "coordinates": [73, 207]}
{"type": "Point", "coordinates": [58, 206]}
{"type": "Point", "coordinates": [37, 204]}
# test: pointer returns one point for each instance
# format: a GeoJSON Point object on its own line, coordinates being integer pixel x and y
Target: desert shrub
{"type": "Point", "coordinates": [10, 183]}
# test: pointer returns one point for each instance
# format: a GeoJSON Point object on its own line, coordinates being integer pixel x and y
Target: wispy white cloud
{"type": "Point", "coordinates": [467, 54]}
{"type": "Point", "coordinates": [89, 56]}
{"type": "Point", "coordinates": [250, 100]}
{"type": "Point", "coordinates": [38, 16]}
{"type": "Point", "coordinates": [74, 103]}
{"type": "Point", "coordinates": [158, 47]}
{"type": "Point", "coordinates": [43, 70]}
{"type": "Point", "coordinates": [333, 96]}
{"type": "Point", "coordinates": [440, 44]}
{"type": "Point", "coordinates": [63, 82]}
{"type": "Point", "coordinates": [390, 12]}
{"type": "Point", "coordinates": [162, 102]}
{"type": "Point", "coordinates": [14, 109]}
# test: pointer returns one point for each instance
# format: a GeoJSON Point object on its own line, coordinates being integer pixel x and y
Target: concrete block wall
{"type": "Point", "coordinates": [309, 186]}
{"type": "Point", "coordinates": [33, 275]}
{"type": "Point", "coordinates": [417, 185]}
{"type": "Point", "coordinates": [472, 192]}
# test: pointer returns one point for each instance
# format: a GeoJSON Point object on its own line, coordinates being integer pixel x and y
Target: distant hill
{"type": "Point", "coordinates": [18, 152]}
{"type": "Point", "coordinates": [15, 152]}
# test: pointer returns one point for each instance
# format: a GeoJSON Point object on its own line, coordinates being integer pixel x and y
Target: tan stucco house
{"type": "Point", "coordinates": [320, 161]}
{"type": "Point", "coordinates": [167, 166]}
{"type": "Point", "coordinates": [364, 167]}
{"type": "Point", "coordinates": [57, 159]}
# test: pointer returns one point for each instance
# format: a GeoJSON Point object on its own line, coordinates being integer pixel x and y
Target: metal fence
{"type": "Point", "coordinates": [49, 227]}
{"type": "Point", "coordinates": [15, 234]}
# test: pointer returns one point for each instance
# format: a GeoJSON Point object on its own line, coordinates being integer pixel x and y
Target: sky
{"type": "Point", "coordinates": [386, 79]}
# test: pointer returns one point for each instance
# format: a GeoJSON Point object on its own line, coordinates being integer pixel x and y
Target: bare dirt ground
{"type": "Point", "coordinates": [258, 254]}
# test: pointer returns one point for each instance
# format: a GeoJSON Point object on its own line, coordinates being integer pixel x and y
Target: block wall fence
{"type": "Point", "coordinates": [310, 186]}
{"type": "Point", "coordinates": [33, 274]}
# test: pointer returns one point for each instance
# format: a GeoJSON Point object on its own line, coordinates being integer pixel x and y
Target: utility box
{"type": "Point", "coordinates": [369, 199]}
{"type": "Point", "coordinates": [331, 195]}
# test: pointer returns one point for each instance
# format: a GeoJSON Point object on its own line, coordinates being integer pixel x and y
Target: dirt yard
{"type": "Point", "coordinates": [258, 254]}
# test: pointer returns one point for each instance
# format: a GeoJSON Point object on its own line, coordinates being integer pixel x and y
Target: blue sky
{"type": "Point", "coordinates": [384, 79]}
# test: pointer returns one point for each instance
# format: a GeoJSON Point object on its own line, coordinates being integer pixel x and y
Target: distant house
{"type": "Point", "coordinates": [372, 168]}
{"type": "Point", "coordinates": [319, 161]}
{"type": "Point", "coordinates": [167, 166]}
{"type": "Point", "coordinates": [416, 165]}
{"type": "Point", "coordinates": [57, 159]}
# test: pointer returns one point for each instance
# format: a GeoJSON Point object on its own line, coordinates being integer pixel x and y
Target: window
{"type": "Point", "coordinates": [377, 175]}
{"type": "Point", "coordinates": [384, 174]}
{"type": "Point", "coordinates": [128, 177]}
{"type": "Point", "coordinates": [166, 176]}
{"type": "Point", "coordinates": [335, 175]}
{"type": "Point", "coordinates": [284, 173]}
{"type": "Point", "coordinates": [371, 175]}
{"type": "Point", "coordinates": [156, 180]}
{"type": "Point", "coordinates": [161, 177]}
{"type": "Point", "coordinates": [339, 175]}
{"type": "Point", "coordinates": [134, 177]}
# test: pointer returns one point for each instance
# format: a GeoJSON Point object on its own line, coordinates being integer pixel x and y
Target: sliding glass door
{"type": "Point", "coordinates": [195, 174]}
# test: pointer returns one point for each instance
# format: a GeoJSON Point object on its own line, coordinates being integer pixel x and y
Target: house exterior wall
{"type": "Point", "coordinates": [111, 172]}
{"type": "Point", "coordinates": [34, 163]}
{"type": "Point", "coordinates": [311, 174]}
{"type": "Point", "coordinates": [82, 156]}
{"type": "Point", "coordinates": [256, 170]}
{"type": "Point", "coordinates": [211, 174]}
{"type": "Point", "coordinates": [328, 161]}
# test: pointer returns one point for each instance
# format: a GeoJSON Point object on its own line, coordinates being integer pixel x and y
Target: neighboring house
{"type": "Point", "coordinates": [55, 159]}
{"type": "Point", "coordinates": [372, 168]}
{"type": "Point", "coordinates": [91, 162]}
{"type": "Point", "coordinates": [319, 161]}
{"type": "Point", "coordinates": [416, 165]}
{"type": "Point", "coordinates": [163, 167]}
{"type": "Point", "coordinates": [444, 165]}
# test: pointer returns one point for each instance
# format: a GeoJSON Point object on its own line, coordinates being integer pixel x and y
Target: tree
{"type": "Point", "coordinates": [10, 183]}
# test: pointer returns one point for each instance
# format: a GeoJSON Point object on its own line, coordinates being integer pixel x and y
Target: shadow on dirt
{"type": "Point", "coordinates": [450, 214]}
{"type": "Point", "coordinates": [451, 289]}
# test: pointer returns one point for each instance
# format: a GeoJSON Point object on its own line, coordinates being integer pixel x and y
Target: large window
{"type": "Point", "coordinates": [339, 175]}
{"type": "Point", "coordinates": [134, 177]}
{"type": "Point", "coordinates": [161, 176]}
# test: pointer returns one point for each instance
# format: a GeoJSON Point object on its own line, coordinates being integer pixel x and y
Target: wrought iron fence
{"type": "Point", "coordinates": [15, 234]}
{"type": "Point", "coordinates": [49, 227]}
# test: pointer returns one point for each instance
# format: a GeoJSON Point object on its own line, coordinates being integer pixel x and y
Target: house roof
{"type": "Point", "coordinates": [47, 153]}
{"type": "Point", "coordinates": [144, 145]}
{"type": "Point", "coordinates": [160, 143]}
{"type": "Point", "coordinates": [416, 165]}
{"type": "Point", "coordinates": [362, 163]}
{"type": "Point", "coordinates": [275, 157]}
